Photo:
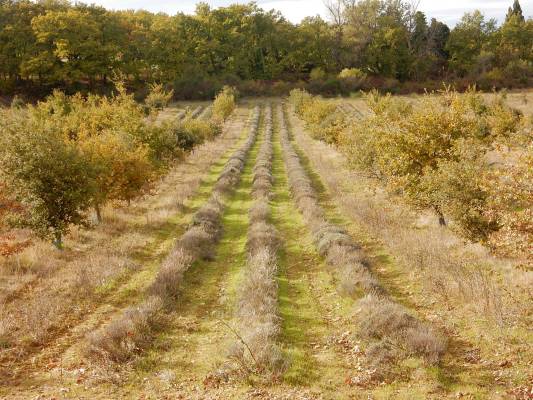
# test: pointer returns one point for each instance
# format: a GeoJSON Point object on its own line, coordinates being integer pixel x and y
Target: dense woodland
{"type": "Point", "coordinates": [387, 44]}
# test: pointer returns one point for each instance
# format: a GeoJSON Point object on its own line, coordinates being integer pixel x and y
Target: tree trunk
{"type": "Point", "coordinates": [442, 220]}
{"type": "Point", "coordinates": [98, 212]}
{"type": "Point", "coordinates": [58, 240]}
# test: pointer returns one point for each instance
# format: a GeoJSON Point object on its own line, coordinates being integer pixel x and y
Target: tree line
{"type": "Point", "coordinates": [48, 44]}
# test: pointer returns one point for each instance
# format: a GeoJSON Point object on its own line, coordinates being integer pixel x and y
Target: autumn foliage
{"type": "Point", "coordinates": [435, 152]}
{"type": "Point", "coordinates": [68, 154]}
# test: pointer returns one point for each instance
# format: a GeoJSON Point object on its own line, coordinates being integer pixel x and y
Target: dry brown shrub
{"type": "Point", "coordinates": [379, 318]}
{"type": "Point", "coordinates": [260, 211]}
{"type": "Point", "coordinates": [166, 284]}
{"type": "Point", "coordinates": [262, 235]}
{"type": "Point", "coordinates": [124, 337]}
{"type": "Point", "coordinates": [257, 349]}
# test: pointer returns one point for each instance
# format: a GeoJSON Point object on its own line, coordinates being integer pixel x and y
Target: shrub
{"type": "Point", "coordinates": [224, 103]}
{"type": "Point", "coordinates": [407, 146]}
{"type": "Point", "coordinates": [433, 152]}
{"type": "Point", "coordinates": [322, 117]}
{"type": "Point", "coordinates": [167, 141]}
{"type": "Point", "coordinates": [380, 319]}
{"type": "Point", "coordinates": [260, 211]}
{"type": "Point", "coordinates": [458, 187]}
{"type": "Point", "coordinates": [502, 120]}
{"type": "Point", "coordinates": [352, 79]}
{"type": "Point", "coordinates": [520, 71]}
{"type": "Point", "coordinates": [358, 142]}
{"type": "Point", "coordinates": [510, 204]}
{"type": "Point", "coordinates": [126, 336]}
{"type": "Point", "coordinates": [192, 86]}
{"type": "Point", "coordinates": [352, 73]}
{"type": "Point", "coordinates": [49, 176]}
{"type": "Point", "coordinates": [299, 98]}
{"type": "Point", "coordinates": [17, 102]}
{"type": "Point", "coordinates": [199, 130]}
{"type": "Point", "coordinates": [158, 98]}
{"type": "Point", "coordinates": [317, 74]}
{"type": "Point", "coordinates": [121, 168]}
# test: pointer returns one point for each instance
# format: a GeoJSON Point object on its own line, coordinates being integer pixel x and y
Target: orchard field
{"type": "Point", "coordinates": [270, 262]}
{"type": "Point", "coordinates": [229, 205]}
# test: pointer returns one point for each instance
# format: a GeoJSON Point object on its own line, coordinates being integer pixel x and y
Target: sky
{"type": "Point", "coordinates": [448, 11]}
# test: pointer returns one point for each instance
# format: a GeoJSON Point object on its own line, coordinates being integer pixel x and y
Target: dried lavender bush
{"type": "Point", "coordinates": [257, 349]}
{"type": "Point", "coordinates": [355, 277]}
{"type": "Point", "coordinates": [132, 331]}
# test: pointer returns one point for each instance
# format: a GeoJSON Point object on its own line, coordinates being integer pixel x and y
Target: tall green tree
{"type": "Point", "coordinates": [377, 33]}
{"type": "Point", "coordinates": [467, 41]}
{"type": "Point", "coordinates": [515, 11]}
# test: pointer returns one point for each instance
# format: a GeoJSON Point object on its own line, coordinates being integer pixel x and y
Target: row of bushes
{"type": "Point", "coordinates": [67, 154]}
{"type": "Point", "coordinates": [438, 153]}
{"type": "Point", "coordinates": [391, 329]}
{"type": "Point", "coordinates": [349, 81]}
{"type": "Point", "coordinates": [345, 83]}
{"type": "Point", "coordinates": [257, 315]}
{"type": "Point", "coordinates": [132, 332]}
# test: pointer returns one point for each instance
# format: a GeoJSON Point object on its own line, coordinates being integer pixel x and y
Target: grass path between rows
{"type": "Point", "coordinates": [53, 366]}
{"type": "Point", "coordinates": [312, 313]}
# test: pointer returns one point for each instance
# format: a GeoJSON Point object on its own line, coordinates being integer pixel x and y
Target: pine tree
{"type": "Point", "coordinates": [516, 9]}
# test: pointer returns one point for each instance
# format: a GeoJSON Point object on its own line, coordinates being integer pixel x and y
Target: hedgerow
{"type": "Point", "coordinates": [434, 152]}
{"type": "Point", "coordinates": [105, 150]}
